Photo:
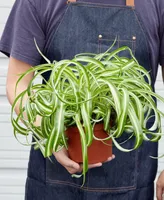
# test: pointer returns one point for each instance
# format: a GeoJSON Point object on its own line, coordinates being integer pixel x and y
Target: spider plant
{"type": "Point", "coordinates": [89, 89]}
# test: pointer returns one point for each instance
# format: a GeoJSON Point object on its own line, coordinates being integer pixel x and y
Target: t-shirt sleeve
{"type": "Point", "coordinates": [161, 34]}
{"type": "Point", "coordinates": [22, 27]}
{"type": "Point", "coordinates": [161, 53]}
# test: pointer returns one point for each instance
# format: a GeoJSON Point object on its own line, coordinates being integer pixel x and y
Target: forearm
{"type": "Point", "coordinates": [13, 89]}
{"type": "Point", "coordinates": [163, 73]}
{"type": "Point", "coordinates": [12, 94]}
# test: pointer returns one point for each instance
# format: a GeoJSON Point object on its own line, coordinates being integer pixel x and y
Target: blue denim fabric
{"type": "Point", "coordinates": [131, 175]}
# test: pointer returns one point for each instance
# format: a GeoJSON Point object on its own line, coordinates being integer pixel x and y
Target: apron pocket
{"type": "Point", "coordinates": [56, 173]}
{"type": "Point", "coordinates": [105, 42]}
{"type": "Point", "coordinates": [119, 175]}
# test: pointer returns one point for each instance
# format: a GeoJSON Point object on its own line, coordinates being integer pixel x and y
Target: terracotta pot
{"type": "Point", "coordinates": [97, 152]}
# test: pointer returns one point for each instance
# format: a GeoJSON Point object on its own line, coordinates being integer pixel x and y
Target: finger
{"type": "Point", "coordinates": [73, 170]}
{"type": "Point", "coordinates": [67, 162]}
{"type": "Point", "coordinates": [110, 158]}
{"type": "Point", "coordinates": [94, 165]}
{"type": "Point", "coordinates": [159, 192]}
{"type": "Point", "coordinates": [63, 159]}
{"type": "Point", "coordinates": [90, 166]}
{"type": "Point", "coordinates": [80, 169]}
{"type": "Point", "coordinates": [100, 164]}
{"type": "Point", "coordinates": [71, 166]}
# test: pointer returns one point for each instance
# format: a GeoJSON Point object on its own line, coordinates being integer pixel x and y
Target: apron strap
{"type": "Point", "coordinates": [128, 2]}
{"type": "Point", "coordinates": [70, 1]}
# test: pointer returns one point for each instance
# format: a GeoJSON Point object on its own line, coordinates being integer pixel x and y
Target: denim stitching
{"type": "Point", "coordinates": [134, 46]}
{"type": "Point", "coordinates": [133, 43]}
{"type": "Point", "coordinates": [99, 5]}
{"type": "Point", "coordinates": [145, 35]}
{"type": "Point", "coordinates": [58, 26]}
{"type": "Point", "coordinates": [99, 45]}
{"type": "Point", "coordinates": [118, 41]}
{"type": "Point", "coordinates": [92, 189]}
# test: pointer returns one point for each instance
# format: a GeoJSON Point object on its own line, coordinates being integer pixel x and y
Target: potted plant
{"type": "Point", "coordinates": [86, 94]}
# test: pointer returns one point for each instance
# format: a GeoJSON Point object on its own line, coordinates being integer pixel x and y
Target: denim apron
{"type": "Point", "coordinates": [92, 27]}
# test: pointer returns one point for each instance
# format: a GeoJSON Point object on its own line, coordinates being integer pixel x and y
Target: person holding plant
{"type": "Point", "coordinates": [63, 29]}
{"type": "Point", "coordinates": [160, 186]}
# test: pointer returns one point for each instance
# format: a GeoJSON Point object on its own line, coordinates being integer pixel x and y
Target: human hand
{"type": "Point", "coordinates": [71, 166]}
{"type": "Point", "coordinates": [160, 186]}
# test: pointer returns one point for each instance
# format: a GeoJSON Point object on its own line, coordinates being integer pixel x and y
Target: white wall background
{"type": "Point", "coordinates": [13, 156]}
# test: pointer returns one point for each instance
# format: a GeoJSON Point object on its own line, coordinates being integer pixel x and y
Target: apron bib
{"type": "Point", "coordinates": [93, 27]}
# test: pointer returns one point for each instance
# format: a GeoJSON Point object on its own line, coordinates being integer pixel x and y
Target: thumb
{"type": "Point", "coordinates": [63, 158]}
{"type": "Point", "coordinates": [159, 192]}
{"type": "Point", "coordinates": [67, 162]}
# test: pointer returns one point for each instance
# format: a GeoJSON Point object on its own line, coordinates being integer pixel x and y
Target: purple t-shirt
{"type": "Point", "coordinates": [38, 19]}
